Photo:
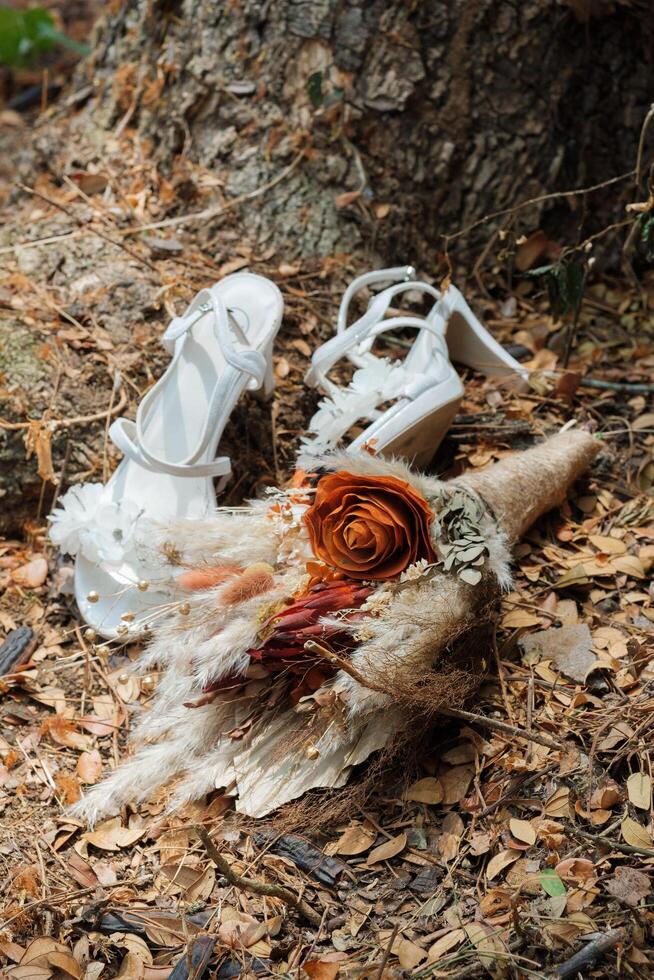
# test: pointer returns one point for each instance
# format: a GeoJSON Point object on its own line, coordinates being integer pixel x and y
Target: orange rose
{"type": "Point", "coordinates": [368, 527]}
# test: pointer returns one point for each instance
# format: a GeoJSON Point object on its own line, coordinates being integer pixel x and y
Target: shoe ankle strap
{"type": "Point", "coordinates": [403, 273]}
{"type": "Point", "coordinates": [372, 324]}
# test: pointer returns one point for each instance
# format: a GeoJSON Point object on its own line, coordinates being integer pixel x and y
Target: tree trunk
{"type": "Point", "coordinates": [368, 127]}
{"type": "Point", "coordinates": [416, 119]}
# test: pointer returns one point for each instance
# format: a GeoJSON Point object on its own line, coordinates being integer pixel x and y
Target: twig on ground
{"type": "Point", "coordinates": [500, 726]}
{"type": "Point", "coordinates": [491, 723]}
{"type": "Point", "coordinates": [535, 200]}
{"type": "Point", "coordinates": [500, 673]}
{"type": "Point", "coordinates": [611, 844]}
{"type": "Point", "coordinates": [85, 225]}
{"type": "Point", "coordinates": [387, 951]}
{"type": "Point", "coordinates": [214, 212]}
{"type": "Point", "coordinates": [253, 884]}
{"type": "Point", "coordinates": [634, 388]}
{"type": "Point", "coordinates": [77, 420]}
{"type": "Point", "coordinates": [588, 956]}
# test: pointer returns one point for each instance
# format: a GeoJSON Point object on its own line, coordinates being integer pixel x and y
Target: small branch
{"type": "Point", "coordinates": [253, 884]}
{"type": "Point", "coordinates": [86, 225]}
{"type": "Point", "coordinates": [213, 212]}
{"type": "Point", "coordinates": [616, 386]}
{"type": "Point", "coordinates": [500, 726]}
{"type": "Point", "coordinates": [641, 145]}
{"type": "Point", "coordinates": [535, 200]}
{"type": "Point", "coordinates": [613, 845]}
{"type": "Point", "coordinates": [588, 956]}
{"type": "Point", "coordinates": [78, 420]}
{"type": "Point", "coordinates": [491, 723]}
{"type": "Point", "coordinates": [387, 952]}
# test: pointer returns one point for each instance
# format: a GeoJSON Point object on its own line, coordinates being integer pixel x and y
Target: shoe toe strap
{"type": "Point", "coordinates": [249, 360]}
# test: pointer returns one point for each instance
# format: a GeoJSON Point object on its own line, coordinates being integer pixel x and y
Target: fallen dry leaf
{"type": "Point", "coordinates": [579, 868]}
{"type": "Point", "coordinates": [569, 648]}
{"type": "Point", "coordinates": [31, 575]}
{"type": "Point", "coordinates": [635, 834]}
{"type": "Point", "coordinates": [321, 969]}
{"type": "Point", "coordinates": [409, 954]}
{"type": "Point", "coordinates": [523, 831]}
{"type": "Point", "coordinates": [388, 849]}
{"type": "Point", "coordinates": [89, 766]}
{"type": "Point", "coordinates": [501, 861]}
{"type": "Point", "coordinates": [629, 885]}
{"type": "Point", "coordinates": [355, 840]}
{"type": "Point", "coordinates": [607, 545]}
{"type": "Point", "coordinates": [456, 782]}
{"type": "Point", "coordinates": [112, 835]}
{"type": "Point", "coordinates": [443, 945]}
{"type": "Point", "coordinates": [429, 790]}
{"type": "Point", "coordinates": [639, 790]}
{"type": "Point", "coordinates": [487, 942]}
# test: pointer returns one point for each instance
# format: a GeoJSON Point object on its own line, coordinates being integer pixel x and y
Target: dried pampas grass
{"type": "Point", "coordinates": [417, 648]}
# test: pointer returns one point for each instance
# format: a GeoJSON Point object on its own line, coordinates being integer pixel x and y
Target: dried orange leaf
{"type": "Point", "coordinates": [31, 575]}
{"type": "Point", "coordinates": [321, 969]}
{"type": "Point", "coordinates": [629, 565]}
{"type": "Point", "coordinates": [29, 972]}
{"type": "Point", "coordinates": [635, 834]}
{"type": "Point", "coordinates": [429, 790]}
{"type": "Point", "coordinates": [486, 941]}
{"type": "Point", "coordinates": [523, 831]}
{"type": "Point", "coordinates": [558, 805]}
{"type": "Point", "coordinates": [609, 546]}
{"type": "Point", "coordinates": [456, 782]}
{"type": "Point", "coordinates": [89, 766]}
{"type": "Point", "coordinates": [409, 954]}
{"type": "Point", "coordinates": [501, 861]}
{"type": "Point", "coordinates": [444, 945]}
{"type": "Point", "coordinates": [111, 835]}
{"type": "Point", "coordinates": [355, 840]}
{"type": "Point", "coordinates": [387, 850]}
{"type": "Point", "coordinates": [639, 790]}
{"type": "Point", "coordinates": [67, 963]}
{"type": "Point", "coordinates": [580, 868]}
{"type": "Point", "coordinates": [519, 619]}
{"type": "Point", "coordinates": [40, 949]}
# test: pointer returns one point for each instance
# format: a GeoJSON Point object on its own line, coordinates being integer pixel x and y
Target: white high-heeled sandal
{"type": "Point", "coordinates": [220, 347]}
{"type": "Point", "coordinates": [427, 388]}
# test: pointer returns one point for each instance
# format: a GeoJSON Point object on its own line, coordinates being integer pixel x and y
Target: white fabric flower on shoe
{"type": "Point", "coordinates": [379, 380]}
{"type": "Point", "coordinates": [87, 523]}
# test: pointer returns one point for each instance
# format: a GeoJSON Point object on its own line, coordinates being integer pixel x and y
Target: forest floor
{"type": "Point", "coordinates": [496, 856]}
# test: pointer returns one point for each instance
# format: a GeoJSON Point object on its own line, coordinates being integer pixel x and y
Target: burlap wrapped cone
{"type": "Point", "coordinates": [409, 656]}
{"type": "Point", "coordinates": [522, 487]}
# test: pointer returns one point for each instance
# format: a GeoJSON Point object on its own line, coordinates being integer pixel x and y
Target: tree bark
{"type": "Point", "coordinates": [367, 127]}
{"type": "Point", "coordinates": [416, 119]}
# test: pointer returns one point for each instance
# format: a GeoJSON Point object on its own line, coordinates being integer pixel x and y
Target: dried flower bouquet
{"type": "Point", "coordinates": [311, 628]}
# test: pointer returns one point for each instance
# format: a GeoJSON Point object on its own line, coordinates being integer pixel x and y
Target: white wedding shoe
{"type": "Point", "coordinates": [425, 388]}
{"type": "Point", "coordinates": [220, 347]}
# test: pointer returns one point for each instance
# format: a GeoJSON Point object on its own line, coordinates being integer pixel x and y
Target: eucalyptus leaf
{"type": "Point", "coordinates": [551, 883]}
